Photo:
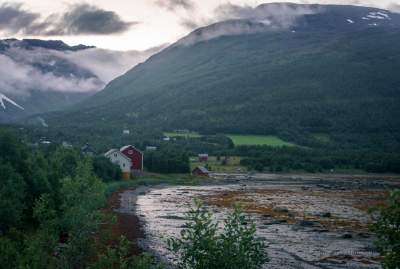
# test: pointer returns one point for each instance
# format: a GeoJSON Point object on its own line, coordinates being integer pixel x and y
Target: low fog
{"type": "Point", "coordinates": [23, 70]}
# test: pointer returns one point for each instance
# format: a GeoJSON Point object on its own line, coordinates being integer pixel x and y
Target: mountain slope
{"type": "Point", "coordinates": [329, 69]}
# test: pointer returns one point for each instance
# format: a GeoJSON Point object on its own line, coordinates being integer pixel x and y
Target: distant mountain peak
{"type": "Point", "coordinates": [5, 98]}
{"type": "Point", "coordinates": [38, 43]}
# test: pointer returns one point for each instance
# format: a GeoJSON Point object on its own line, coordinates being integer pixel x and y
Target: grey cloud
{"type": "Point", "coordinates": [45, 70]}
{"type": "Point", "coordinates": [88, 19]}
{"type": "Point", "coordinates": [107, 64]}
{"type": "Point", "coordinates": [14, 19]}
{"type": "Point", "coordinates": [25, 78]}
{"type": "Point", "coordinates": [174, 4]}
{"type": "Point", "coordinates": [79, 19]}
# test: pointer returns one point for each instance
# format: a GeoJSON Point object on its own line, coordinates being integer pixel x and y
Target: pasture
{"type": "Point", "coordinates": [259, 140]}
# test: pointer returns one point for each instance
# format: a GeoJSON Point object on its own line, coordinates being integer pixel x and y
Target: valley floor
{"type": "Point", "coordinates": [309, 221]}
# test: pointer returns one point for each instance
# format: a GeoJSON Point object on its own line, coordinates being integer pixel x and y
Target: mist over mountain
{"type": "Point", "coordinates": [331, 69]}
{"type": "Point", "coordinates": [44, 75]}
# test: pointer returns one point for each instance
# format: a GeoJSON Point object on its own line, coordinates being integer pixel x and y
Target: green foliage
{"type": "Point", "coordinates": [12, 194]}
{"type": "Point", "coordinates": [202, 245]}
{"type": "Point", "coordinates": [387, 228]}
{"type": "Point", "coordinates": [106, 170]}
{"type": "Point", "coordinates": [168, 160]}
{"type": "Point", "coordinates": [49, 205]}
{"type": "Point", "coordinates": [118, 258]}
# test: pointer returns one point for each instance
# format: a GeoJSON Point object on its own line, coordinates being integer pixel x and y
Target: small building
{"type": "Point", "coordinates": [166, 138]}
{"type": "Point", "coordinates": [201, 171]}
{"type": "Point", "coordinates": [136, 157]}
{"type": "Point", "coordinates": [151, 148]}
{"type": "Point", "coordinates": [118, 158]}
{"type": "Point", "coordinates": [203, 157]}
{"type": "Point", "coordinates": [126, 132]}
{"type": "Point", "coordinates": [87, 150]}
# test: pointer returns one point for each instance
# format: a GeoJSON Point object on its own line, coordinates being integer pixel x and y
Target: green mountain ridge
{"type": "Point", "coordinates": [333, 71]}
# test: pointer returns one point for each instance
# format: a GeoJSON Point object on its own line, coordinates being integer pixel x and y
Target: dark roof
{"type": "Point", "coordinates": [202, 169]}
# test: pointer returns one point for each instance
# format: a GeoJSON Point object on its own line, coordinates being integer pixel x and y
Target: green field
{"type": "Point", "coordinates": [187, 135]}
{"type": "Point", "coordinates": [259, 140]}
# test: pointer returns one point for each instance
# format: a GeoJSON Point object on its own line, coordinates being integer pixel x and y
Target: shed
{"type": "Point", "coordinates": [201, 171]}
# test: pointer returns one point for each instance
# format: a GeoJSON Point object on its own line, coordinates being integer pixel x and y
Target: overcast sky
{"type": "Point", "coordinates": [123, 24]}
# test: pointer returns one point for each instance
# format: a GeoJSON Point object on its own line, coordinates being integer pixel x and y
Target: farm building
{"type": "Point", "coordinates": [201, 171]}
{"type": "Point", "coordinates": [203, 157]}
{"type": "Point", "coordinates": [120, 159]}
{"type": "Point", "coordinates": [136, 157]}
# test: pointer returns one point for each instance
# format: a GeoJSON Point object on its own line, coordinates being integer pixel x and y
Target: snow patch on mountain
{"type": "Point", "coordinates": [377, 15]}
{"type": "Point", "coordinates": [5, 98]}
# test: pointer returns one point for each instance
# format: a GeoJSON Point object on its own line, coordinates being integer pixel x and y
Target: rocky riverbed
{"type": "Point", "coordinates": [308, 221]}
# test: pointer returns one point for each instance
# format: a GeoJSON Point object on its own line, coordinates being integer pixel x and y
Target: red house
{"type": "Point", "coordinates": [135, 155]}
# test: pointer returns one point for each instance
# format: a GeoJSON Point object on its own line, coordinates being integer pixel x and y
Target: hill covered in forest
{"type": "Point", "coordinates": [318, 69]}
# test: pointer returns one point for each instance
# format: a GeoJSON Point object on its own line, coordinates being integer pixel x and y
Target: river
{"type": "Point", "coordinates": [308, 221]}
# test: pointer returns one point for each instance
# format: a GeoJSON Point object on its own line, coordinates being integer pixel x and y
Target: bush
{"type": "Point", "coordinates": [387, 228]}
{"type": "Point", "coordinates": [106, 170]}
{"type": "Point", "coordinates": [118, 258]}
{"type": "Point", "coordinates": [202, 245]}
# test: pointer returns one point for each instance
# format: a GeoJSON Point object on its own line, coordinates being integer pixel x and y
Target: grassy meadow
{"type": "Point", "coordinates": [259, 140]}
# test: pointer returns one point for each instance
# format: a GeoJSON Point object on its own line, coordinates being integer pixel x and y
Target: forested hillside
{"type": "Point", "coordinates": [332, 71]}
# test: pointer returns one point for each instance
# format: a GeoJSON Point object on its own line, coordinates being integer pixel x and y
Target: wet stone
{"type": "Point", "coordinates": [281, 209]}
{"type": "Point", "coordinates": [326, 215]}
{"type": "Point", "coordinates": [347, 236]}
{"type": "Point", "coordinates": [307, 223]}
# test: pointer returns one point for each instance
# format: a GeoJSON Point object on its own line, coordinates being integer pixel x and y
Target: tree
{"type": "Point", "coordinates": [106, 170]}
{"type": "Point", "coordinates": [387, 228]}
{"type": "Point", "coordinates": [202, 246]}
{"type": "Point", "coordinates": [12, 194]}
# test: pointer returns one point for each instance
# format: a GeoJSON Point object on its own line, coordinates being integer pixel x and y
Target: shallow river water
{"type": "Point", "coordinates": [308, 222]}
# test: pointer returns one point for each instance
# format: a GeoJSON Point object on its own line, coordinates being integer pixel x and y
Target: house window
{"type": "Point", "coordinates": [115, 155]}
{"type": "Point", "coordinates": [123, 165]}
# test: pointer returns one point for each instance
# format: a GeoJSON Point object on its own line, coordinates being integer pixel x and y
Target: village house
{"type": "Point", "coordinates": [203, 157]}
{"type": "Point", "coordinates": [129, 159]}
{"type": "Point", "coordinates": [201, 171]}
{"type": "Point", "coordinates": [118, 158]}
{"type": "Point", "coordinates": [136, 157]}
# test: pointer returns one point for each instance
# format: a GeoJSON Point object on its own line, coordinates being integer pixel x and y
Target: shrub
{"type": "Point", "coordinates": [387, 228]}
{"type": "Point", "coordinates": [202, 245]}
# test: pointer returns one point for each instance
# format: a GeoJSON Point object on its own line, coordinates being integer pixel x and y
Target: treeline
{"type": "Point", "coordinates": [167, 160]}
{"type": "Point", "coordinates": [49, 203]}
{"type": "Point", "coordinates": [288, 159]}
